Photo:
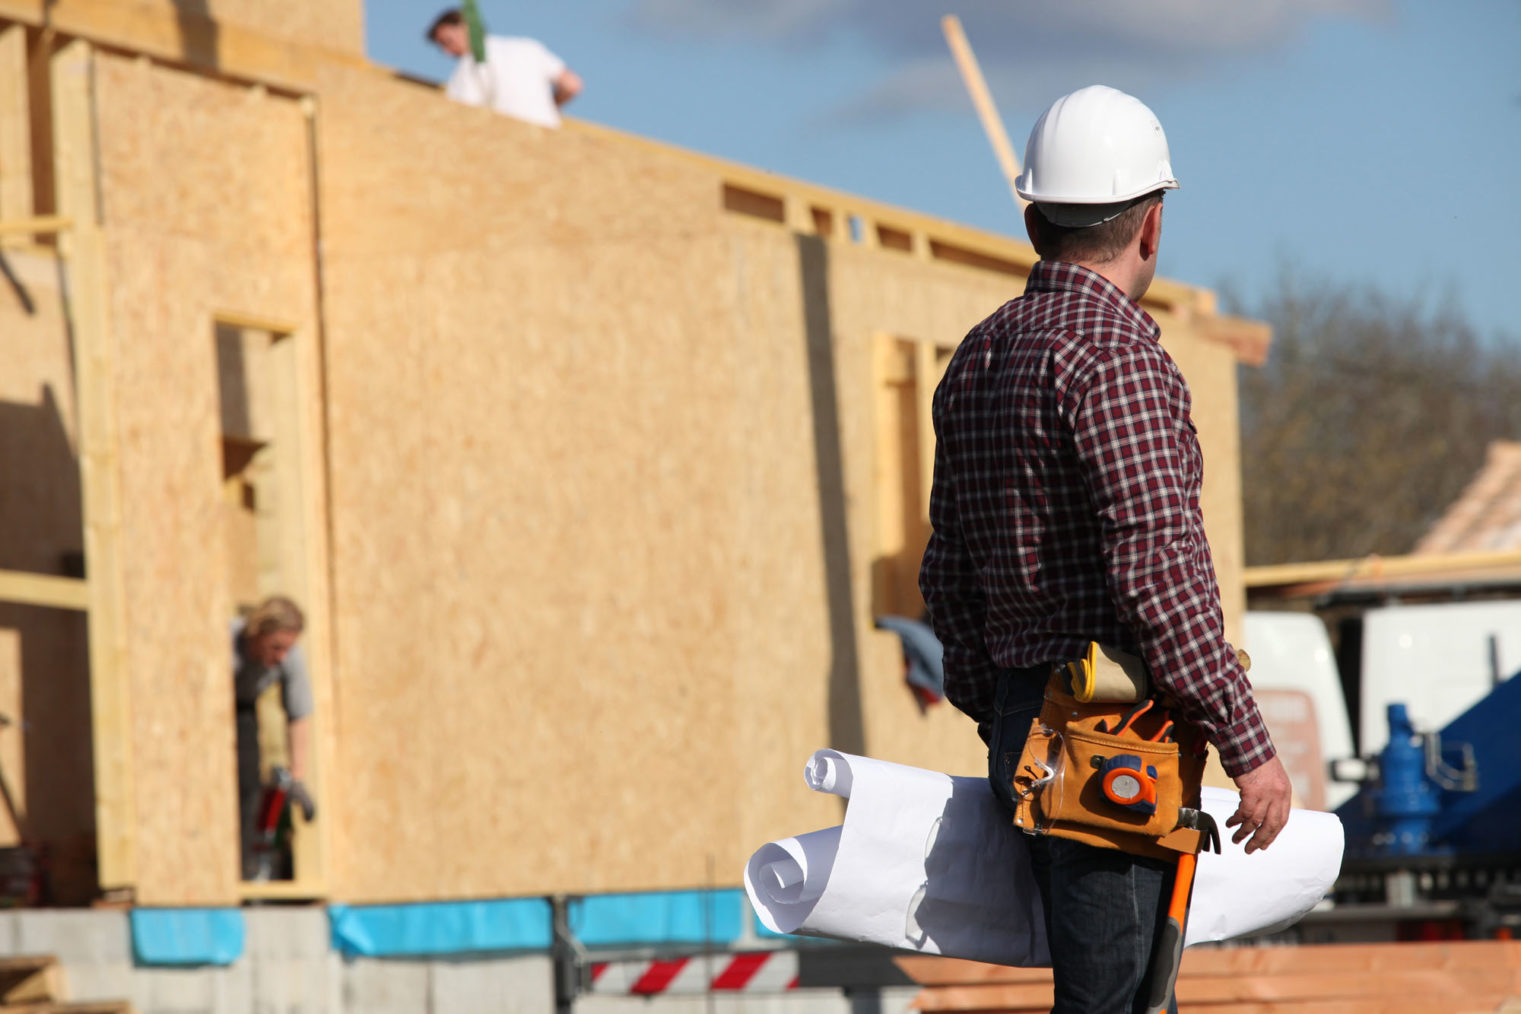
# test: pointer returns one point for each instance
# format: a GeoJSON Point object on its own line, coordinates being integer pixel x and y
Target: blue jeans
{"type": "Point", "coordinates": [1103, 907]}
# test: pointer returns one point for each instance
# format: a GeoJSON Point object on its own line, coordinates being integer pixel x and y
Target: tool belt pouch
{"type": "Point", "coordinates": [1078, 779]}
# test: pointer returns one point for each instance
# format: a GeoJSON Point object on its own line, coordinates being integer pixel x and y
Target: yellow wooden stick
{"type": "Point", "coordinates": [987, 112]}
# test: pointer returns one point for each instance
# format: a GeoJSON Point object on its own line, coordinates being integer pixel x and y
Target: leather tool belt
{"type": "Point", "coordinates": [1110, 764]}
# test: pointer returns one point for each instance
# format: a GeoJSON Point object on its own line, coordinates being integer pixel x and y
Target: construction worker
{"type": "Point", "coordinates": [1065, 509]}
{"type": "Point", "coordinates": [520, 77]}
{"type": "Point", "coordinates": [265, 652]}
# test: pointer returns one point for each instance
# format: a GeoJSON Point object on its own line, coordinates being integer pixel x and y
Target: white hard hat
{"type": "Point", "coordinates": [1096, 146]}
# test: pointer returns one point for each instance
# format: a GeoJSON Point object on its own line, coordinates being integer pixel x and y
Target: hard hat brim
{"type": "Point", "coordinates": [1083, 215]}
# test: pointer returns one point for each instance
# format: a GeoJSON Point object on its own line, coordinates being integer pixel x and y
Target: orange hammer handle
{"type": "Point", "coordinates": [1168, 952]}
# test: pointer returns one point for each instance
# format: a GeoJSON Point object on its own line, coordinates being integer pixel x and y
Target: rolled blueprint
{"type": "Point", "coordinates": [931, 863]}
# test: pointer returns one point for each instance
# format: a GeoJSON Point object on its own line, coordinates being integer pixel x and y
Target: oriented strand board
{"type": "Point", "coordinates": [604, 507]}
{"type": "Point", "coordinates": [206, 210]}
{"type": "Point", "coordinates": [336, 25]}
{"type": "Point", "coordinates": [1211, 369]}
{"type": "Point", "coordinates": [267, 41]}
{"type": "Point", "coordinates": [15, 129]}
{"type": "Point", "coordinates": [599, 469]}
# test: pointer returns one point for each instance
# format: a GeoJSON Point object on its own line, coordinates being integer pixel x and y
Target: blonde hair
{"type": "Point", "coordinates": [275, 613]}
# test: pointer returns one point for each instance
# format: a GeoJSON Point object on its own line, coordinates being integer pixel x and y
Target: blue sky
{"type": "Point", "coordinates": [1360, 141]}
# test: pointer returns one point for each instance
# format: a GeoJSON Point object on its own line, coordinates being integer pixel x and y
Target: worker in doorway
{"type": "Point", "coordinates": [520, 77]}
{"type": "Point", "coordinates": [1066, 510]}
{"type": "Point", "coordinates": [265, 652]}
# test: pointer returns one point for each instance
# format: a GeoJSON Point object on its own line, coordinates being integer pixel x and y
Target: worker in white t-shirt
{"type": "Point", "coordinates": [520, 77]}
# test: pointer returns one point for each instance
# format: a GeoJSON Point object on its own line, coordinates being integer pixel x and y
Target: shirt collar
{"type": "Point", "coordinates": [1060, 276]}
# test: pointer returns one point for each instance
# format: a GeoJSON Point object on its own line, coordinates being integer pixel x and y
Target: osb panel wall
{"type": "Point", "coordinates": [532, 496]}
{"type": "Point", "coordinates": [45, 759]}
{"type": "Point", "coordinates": [602, 506]}
{"type": "Point", "coordinates": [328, 24]}
{"type": "Point", "coordinates": [887, 292]}
{"type": "Point", "coordinates": [811, 311]}
{"type": "Point", "coordinates": [206, 205]}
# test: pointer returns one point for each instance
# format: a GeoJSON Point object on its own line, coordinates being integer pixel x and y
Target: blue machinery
{"type": "Point", "coordinates": [1435, 833]}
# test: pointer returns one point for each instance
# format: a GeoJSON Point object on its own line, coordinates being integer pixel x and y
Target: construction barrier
{"type": "Point", "coordinates": [752, 972]}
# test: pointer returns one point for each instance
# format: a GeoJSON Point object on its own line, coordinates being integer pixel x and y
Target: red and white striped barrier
{"type": "Point", "coordinates": [753, 972]}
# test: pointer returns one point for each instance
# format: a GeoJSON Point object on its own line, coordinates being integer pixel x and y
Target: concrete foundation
{"type": "Point", "coordinates": [289, 967]}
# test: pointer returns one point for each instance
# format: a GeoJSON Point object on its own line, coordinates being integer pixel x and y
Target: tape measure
{"type": "Point", "coordinates": [1129, 784]}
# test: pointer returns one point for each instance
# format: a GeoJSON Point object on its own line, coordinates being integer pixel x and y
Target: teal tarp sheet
{"type": "Point", "coordinates": [187, 936]}
{"type": "Point", "coordinates": [686, 917]}
{"type": "Point", "coordinates": [444, 927]}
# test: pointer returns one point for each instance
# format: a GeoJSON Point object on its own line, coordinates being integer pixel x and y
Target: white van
{"type": "Point", "coordinates": [1299, 691]}
{"type": "Point", "coordinates": [1438, 660]}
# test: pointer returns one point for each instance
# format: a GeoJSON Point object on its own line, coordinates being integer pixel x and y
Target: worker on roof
{"type": "Point", "coordinates": [1065, 509]}
{"type": "Point", "coordinates": [520, 77]}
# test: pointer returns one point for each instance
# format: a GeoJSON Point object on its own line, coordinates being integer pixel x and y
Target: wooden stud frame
{"type": "Point", "coordinates": [298, 531]}
{"type": "Point", "coordinates": [44, 590]}
{"type": "Point", "coordinates": [83, 248]}
{"type": "Point", "coordinates": [903, 432]}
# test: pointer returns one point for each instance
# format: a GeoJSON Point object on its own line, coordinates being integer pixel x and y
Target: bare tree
{"type": "Point", "coordinates": [1371, 415]}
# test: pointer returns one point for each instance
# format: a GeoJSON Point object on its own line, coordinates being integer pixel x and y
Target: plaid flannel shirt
{"type": "Point", "coordinates": [1066, 508]}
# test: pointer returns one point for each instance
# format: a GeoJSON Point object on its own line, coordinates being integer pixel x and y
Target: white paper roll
{"type": "Point", "coordinates": [931, 863]}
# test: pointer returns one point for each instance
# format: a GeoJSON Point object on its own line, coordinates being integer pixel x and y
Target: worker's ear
{"type": "Point", "coordinates": [1033, 222]}
{"type": "Point", "coordinates": [1151, 231]}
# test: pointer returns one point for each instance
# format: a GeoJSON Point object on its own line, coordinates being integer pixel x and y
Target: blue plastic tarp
{"type": "Point", "coordinates": [446, 927]}
{"type": "Point", "coordinates": [658, 917]}
{"type": "Point", "coordinates": [187, 936]}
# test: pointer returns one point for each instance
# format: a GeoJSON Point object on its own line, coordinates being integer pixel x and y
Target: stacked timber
{"type": "Point", "coordinates": [1455, 977]}
{"type": "Point", "coordinates": [34, 984]}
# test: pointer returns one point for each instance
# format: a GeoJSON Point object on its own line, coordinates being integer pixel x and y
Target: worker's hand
{"type": "Point", "coordinates": [1264, 809]}
{"type": "Point", "coordinates": [303, 798]}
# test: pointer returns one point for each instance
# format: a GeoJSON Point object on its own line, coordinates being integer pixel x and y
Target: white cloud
{"type": "Point", "coordinates": [1026, 47]}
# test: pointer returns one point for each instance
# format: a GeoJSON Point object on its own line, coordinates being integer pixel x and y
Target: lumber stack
{"type": "Point", "coordinates": [1454, 977]}
{"type": "Point", "coordinates": [34, 984]}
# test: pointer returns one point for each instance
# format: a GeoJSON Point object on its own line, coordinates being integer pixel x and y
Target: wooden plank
{"type": "Point", "coordinates": [90, 1007]}
{"type": "Point", "coordinates": [1250, 339]}
{"type": "Point", "coordinates": [1204, 962]}
{"type": "Point", "coordinates": [1375, 567]}
{"type": "Point", "coordinates": [982, 99]}
{"type": "Point", "coordinates": [1002, 997]}
{"type": "Point", "coordinates": [180, 34]}
{"type": "Point", "coordinates": [15, 126]}
{"type": "Point", "coordinates": [40, 225]}
{"type": "Point", "coordinates": [83, 247]}
{"type": "Point", "coordinates": [1449, 955]}
{"type": "Point", "coordinates": [1298, 987]}
{"type": "Point", "coordinates": [252, 322]}
{"type": "Point", "coordinates": [928, 971]}
{"type": "Point", "coordinates": [297, 557]}
{"type": "Point", "coordinates": [799, 215]}
{"type": "Point", "coordinates": [30, 979]}
{"type": "Point", "coordinates": [887, 374]}
{"type": "Point", "coordinates": [308, 888]}
{"type": "Point", "coordinates": [1016, 1000]}
{"type": "Point", "coordinates": [926, 378]}
{"type": "Point", "coordinates": [44, 590]}
{"type": "Point", "coordinates": [1475, 1004]}
{"type": "Point", "coordinates": [1459, 975]}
